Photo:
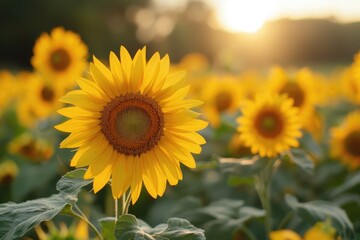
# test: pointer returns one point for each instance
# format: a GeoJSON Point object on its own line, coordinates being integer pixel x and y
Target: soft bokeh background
{"type": "Point", "coordinates": [284, 32]}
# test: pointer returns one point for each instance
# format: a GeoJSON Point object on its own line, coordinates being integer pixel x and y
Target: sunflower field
{"type": "Point", "coordinates": [123, 122]}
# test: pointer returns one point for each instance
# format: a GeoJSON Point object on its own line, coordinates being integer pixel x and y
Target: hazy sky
{"type": "Point", "coordinates": [343, 10]}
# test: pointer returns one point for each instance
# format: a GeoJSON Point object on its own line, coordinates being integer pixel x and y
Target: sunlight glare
{"type": "Point", "coordinates": [243, 16]}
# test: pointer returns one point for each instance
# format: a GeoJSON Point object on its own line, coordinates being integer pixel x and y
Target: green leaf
{"type": "Point", "coordinates": [72, 182]}
{"type": "Point", "coordinates": [321, 210]}
{"type": "Point", "coordinates": [128, 228]}
{"type": "Point", "coordinates": [17, 219]}
{"type": "Point", "coordinates": [349, 183]}
{"type": "Point", "coordinates": [243, 167]}
{"type": "Point", "coordinates": [301, 158]}
{"type": "Point", "coordinates": [107, 227]}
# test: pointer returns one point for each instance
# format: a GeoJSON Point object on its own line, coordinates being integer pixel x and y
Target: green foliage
{"type": "Point", "coordinates": [129, 228]}
{"type": "Point", "coordinates": [107, 228]}
{"type": "Point", "coordinates": [243, 167]}
{"type": "Point", "coordinates": [350, 182]}
{"type": "Point", "coordinates": [300, 158]}
{"type": "Point", "coordinates": [18, 218]}
{"type": "Point", "coordinates": [321, 210]}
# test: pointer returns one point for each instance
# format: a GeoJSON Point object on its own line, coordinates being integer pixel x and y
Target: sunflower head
{"type": "Point", "coordinates": [8, 171]}
{"type": "Point", "coordinates": [40, 99]}
{"type": "Point", "coordinates": [284, 235]}
{"type": "Point", "coordinates": [299, 87]}
{"type": "Point", "coordinates": [321, 230]}
{"type": "Point", "coordinates": [6, 82]}
{"type": "Point", "coordinates": [345, 140]}
{"type": "Point", "coordinates": [60, 56]}
{"type": "Point", "coordinates": [31, 148]}
{"type": "Point", "coordinates": [222, 95]}
{"type": "Point", "coordinates": [350, 84]}
{"type": "Point", "coordinates": [269, 125]}
{"type": "Point", "coordinates": [132, 124]}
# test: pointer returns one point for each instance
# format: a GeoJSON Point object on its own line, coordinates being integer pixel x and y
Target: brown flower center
{"type": "Point", "coordinates": [60, 59]}
{"type": "Point", "coordinates": [132, 123]}
{"type": "Point", "coordinates": [47, 94]}
{"type": "Point", "coordinates": [223, 101]}
{"type": "Point", "coordinates": [269, 124]}
{"type": "Point", "coordinates": [352, 143]}
{"type": "Point", "coordinates": [294, 91]}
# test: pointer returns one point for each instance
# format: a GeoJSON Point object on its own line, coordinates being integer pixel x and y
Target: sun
{"type": "Point", "coordinates": [242, 16]}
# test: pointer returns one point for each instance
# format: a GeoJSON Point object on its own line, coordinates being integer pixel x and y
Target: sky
{"type": "Point", "coordinates": [250, 15]}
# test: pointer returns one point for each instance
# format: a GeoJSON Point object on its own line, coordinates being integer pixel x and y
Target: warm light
{"type": "Point", "coordinates": [243, 15]}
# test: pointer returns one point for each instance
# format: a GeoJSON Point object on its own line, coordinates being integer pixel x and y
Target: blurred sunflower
{"type": "Point", "coordinates": [7, 84]}
{"type": "Point", "coordinates": [78, 230]}
{"type": "Point", "coordinates": [8, 171]}
{"type": "Point", "coordinates": [31, 148]}
{"type": "Point", "coordinates": [350, 84]}
{"type": "Point", "coordinates": [193, 63]}
{"type": "Point", "coordinates": [39, 101]}
{"type": "Point", "coordinates": [132, 123]}
{"type": "Point", "coordinates": [220, 96]}
{"type": "Point", "coordinates": [321, 231]}
{"type": "Point", "coordinates": [285, 235]}
{"type": "Point", "coordinates": [269, 124]}
{"type": "Point", "coordinates": [60, 56]}
{"type": "Point", "coordinates": [299, 88]}
{"type": "Point", "coordinates": [345, 140]}
{"type": "Point", "coordinates": [237, 146]}
{"type": "Point", "coordinates": [251, 84]}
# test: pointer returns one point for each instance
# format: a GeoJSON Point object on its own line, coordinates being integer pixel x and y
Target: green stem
{"type": "Point", "coordinates": [285, 220]}
{"type": "Point", "coordinates": [82, 216]}
{"type": "Point", "coordinates": [126, 202]}
{"type": "Point", "coordinates": [248, 233]}
{"type": "Point", "coordinates": [116, 209]}
{"type": "Point", "coordinates": [262, 186]}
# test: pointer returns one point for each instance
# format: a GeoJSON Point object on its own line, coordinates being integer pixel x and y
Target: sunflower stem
{"type": "Point", "coordinates": [116, 209]}
{"type": "Point", "coordinates": [82, 216]}
{"type": "Point", "coordinates": [262, 186]}
{"type": "Point", "coordinates": [126, 202]}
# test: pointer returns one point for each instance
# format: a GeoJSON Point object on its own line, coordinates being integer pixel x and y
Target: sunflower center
{"type": "Point", "coordinates": [132, 123]}
{"type": "Point", "coordinates": [269, 124]}
{"type": "Point", "coordinates": [223, 101]}
{"type": "Point", "coordinates": [47, 94]}
{"type": "Point", "coordinates": [60, 59]}
{"type": "Point", "coordinates": [352, 143]}
{"type": "Point", "coordinates": [294, 91]}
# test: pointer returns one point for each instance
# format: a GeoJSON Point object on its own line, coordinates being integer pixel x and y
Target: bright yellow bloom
{"type": "Point", "coordinates": [39, 101]}
{"type": "Point", "coordinates": [285, 235]}
{"type": "Point", "coordinates": [350, 84]}
{"type": "Point", "coordinates": [60, 57]}
{"type": "Point", "coordinates": [299, 87]}
{"type": "Point", "coordinates": [7, 86]}
{"type": "Point", "coordinates": [320, 231]}
{"type": "Point", "coordinates": [31, 148]}
{"type": "Point", "coordinates": [269, 125]}
{"type": "Point", "coordinates": [78, 230]}
{"type": "Point", "coordinates": [221, 95]}
{"type": "Point", "coordinates": [345, 140]}
{"type": "Point", "coordinates": [132, 123]}
{"type": "Point", "coordinates": [8, 171]}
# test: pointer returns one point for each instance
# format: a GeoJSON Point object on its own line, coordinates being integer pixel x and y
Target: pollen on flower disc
{"type": "Point", "coordinates": [269, 123]}
{"type": "Point", "coordinates": [352, 143]}
{"type": "Point", "coordinates": [132, 123]}
{"type": "Point", "coordinates": [294, 91]}
{"type": "Point", "coordinates": [60, 59]}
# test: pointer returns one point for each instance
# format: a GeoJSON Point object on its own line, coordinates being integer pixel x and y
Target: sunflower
{"type": "Point", "coordinates": [132, 123]}
{"type": "Point", "coordinates": [269, 125]}
{"type": "Point", "coordinates": [251, 83]}
{"type": "Point", "coordinates": [221, 95]}
{"type": "Point", "coordinates": [39, 101]}
{"type": "Point", "coordinates": [78, 230]}
{"type": "Point", "coordinates": [31, 148]}
{"type": "Point", "coordinates": [350, 84]}
{"type": "Point", "coordinates": [6, 82]}
{"type": "Point", "coordinates": [60, 56]}
{"type": "Point", "coordinates": [285, 234]}
{"type": "Point", "coordinates": [345, 140]}
{"type": "Point", "coordinates": [321, 231]}
{"type": "Point", "coordinates": [298, 87]}
{"type": "Point", "coordinates": [8, 171]}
